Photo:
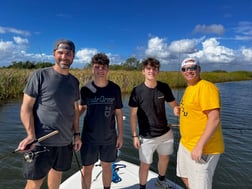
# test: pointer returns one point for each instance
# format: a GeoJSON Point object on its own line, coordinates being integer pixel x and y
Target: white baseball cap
{"type": "Point", "coordinates": [189, 60]}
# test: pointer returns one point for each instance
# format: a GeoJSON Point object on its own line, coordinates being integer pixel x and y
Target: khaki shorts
{"type": "Point", "coordinates": [199, 174]}
{"type": "Point", "coordinates": [162, 144]}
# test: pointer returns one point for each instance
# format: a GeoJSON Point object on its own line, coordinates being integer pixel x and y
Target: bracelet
{"type": "Point", "coordinates": [134, 136]}
{"type": "Point", "coordinates": [77, 134]}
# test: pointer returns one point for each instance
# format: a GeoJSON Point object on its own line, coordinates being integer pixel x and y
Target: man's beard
{"type": "Point", "coordinates": [64, 66]}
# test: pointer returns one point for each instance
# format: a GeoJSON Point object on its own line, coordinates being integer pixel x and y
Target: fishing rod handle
{"type": "Point", "coordinates": [39, 140]}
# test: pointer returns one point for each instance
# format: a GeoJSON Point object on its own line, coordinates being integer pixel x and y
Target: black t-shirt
{"type": "Point", "coordinates": [99, 123]}
{"type": "Point", "coordinates": [151, 112]}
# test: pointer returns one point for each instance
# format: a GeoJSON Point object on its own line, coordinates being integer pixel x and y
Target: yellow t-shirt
{"type": "Point", "coordinates": [196, 99]}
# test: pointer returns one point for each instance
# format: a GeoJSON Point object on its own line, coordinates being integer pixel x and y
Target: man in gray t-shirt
{"type": "Point", "coordinates": [50, 103]}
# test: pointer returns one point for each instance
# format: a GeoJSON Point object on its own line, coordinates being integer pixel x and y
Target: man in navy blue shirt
{"type": "Point", "coordinates": [102, 133]}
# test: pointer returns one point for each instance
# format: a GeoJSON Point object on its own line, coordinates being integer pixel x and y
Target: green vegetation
{"type": "Point", "coordinates": [29, 65]}
{"type": "Point", "coordinates": [12, 81]}
{"type": "Point", "coordinates": [126, 75]}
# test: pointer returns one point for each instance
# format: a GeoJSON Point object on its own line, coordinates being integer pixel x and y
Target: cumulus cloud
{"type": "Point", "coordinates": [247, 54]}
{"type": "Point", "coordinates": [5, 46]}
{"type": "Point", "coordinates": [16, 50]}
{"type": "Point", "coordinates": [21, 41]}
{"type": "Point", "coordinates": [213, 52]}
{"type": "Point", "coordinates": [157, 47]}
{"type": "Point", "coordinates": [184, 46]}
{"type": "Point", "coordinates": [84, 55]}
{"type": "Point", "coordinates": [208, 50]}
{"type": "Point", "coordinates": [10, 50]}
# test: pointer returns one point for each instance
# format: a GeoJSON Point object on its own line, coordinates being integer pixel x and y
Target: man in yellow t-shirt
{"type": "Point", "coordinates": [201, 140]}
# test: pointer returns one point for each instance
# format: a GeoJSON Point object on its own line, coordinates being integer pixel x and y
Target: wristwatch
{"type": "Point", "coordinates": [77, 134]}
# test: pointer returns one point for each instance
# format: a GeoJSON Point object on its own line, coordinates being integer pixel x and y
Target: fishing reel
{"type": "Point", "coordinates": [29, 156]}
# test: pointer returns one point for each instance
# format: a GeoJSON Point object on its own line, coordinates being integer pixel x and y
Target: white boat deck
{"type": "Point", "coordinates": [128, 173]}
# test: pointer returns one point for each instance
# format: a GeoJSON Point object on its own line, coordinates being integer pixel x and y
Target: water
{"type": "Point", "coordinates": [233, 171]}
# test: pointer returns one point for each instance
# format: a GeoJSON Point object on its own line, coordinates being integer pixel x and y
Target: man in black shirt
{"type": "Point", "coordinates": [147, 105]}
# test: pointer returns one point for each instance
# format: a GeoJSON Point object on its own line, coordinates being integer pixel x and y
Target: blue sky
{"type": "Point", "coordinates": [217, 32]}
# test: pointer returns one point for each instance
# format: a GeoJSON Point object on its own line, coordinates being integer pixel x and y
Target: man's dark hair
{"type": "Point", "coordinates": [151, 62]}
{"type": "Point", "coordinates": [100, 58]}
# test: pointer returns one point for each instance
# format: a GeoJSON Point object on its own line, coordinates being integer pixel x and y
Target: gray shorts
{"type": "Point", "coordinates": [162, 144]}
{"type": "Point", "coordinates": [91, 153]}
{"type": "Point", "coordinates": [199, 174]}
{"type": "Point", "coordinates": [45, 158]}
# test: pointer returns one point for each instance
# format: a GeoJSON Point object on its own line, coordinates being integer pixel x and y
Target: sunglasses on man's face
{"type": "Point", "coordinates": [191, 68]}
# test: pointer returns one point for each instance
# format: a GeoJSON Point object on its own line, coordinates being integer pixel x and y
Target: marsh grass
{"type": "Point", "coordinates": [12, 81]}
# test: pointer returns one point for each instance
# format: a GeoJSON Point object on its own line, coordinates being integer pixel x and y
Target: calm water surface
{"type": "Point", "coordinates": [233, 171]}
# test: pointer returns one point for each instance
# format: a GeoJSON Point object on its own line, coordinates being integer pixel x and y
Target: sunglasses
{"type": "Point", "coordinates": [191, 68]}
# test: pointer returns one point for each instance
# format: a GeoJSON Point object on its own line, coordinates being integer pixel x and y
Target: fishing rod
{"type": "Point", "coordinates": [173, 125]}
{"type": "Point", "coordinates": [83, 183]}
{"type": "Point", "coordinates": [33, 142]}
{"type": "Point", "coordinates": [38, 140]}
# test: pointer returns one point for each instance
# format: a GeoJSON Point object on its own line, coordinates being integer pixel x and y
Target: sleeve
{"type": "Point", "coordinates": [169, 97]}
{"type": "Point", "coordinates": [77, 96]}
{"type": "Point", "coordinates": [133, 99]}
{"type": "Point", "coordinates": [209, 97]}
{"type": "Point", "coordinates": [32, 86]}
{"type": "Point", "coordinates": [119, 103]}
{"type": "Point", "coordinates": [82, 96]}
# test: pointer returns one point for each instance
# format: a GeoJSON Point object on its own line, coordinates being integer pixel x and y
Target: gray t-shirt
{"type": "Point", "coordinates": [54, 107]}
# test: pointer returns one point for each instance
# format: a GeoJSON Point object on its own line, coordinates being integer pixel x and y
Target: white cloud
{"type": "Point", "coordinates": [11, 51]}
{"type": "Point", "coordinates": [207, 29]}
{"type": "Point", "coordinates": [213, 52]}
{"type": "Point", "coordinates": [16, 50]}
{"type": "Point", "coordinates": [208, 50]}
{"type": "Point", "coordinates": [84, 56]}
{"type": "Point", "coordinates": [21, 41]}
{"type": "Point", "coordinates": [244, 28]}
{"type": "Point", "coordinates": [4, 30]}
{"type": "Point", "coordinates": [6, 46]}
{"type": "Point", "coordinates": [157, 47]}
{"type": "Point", "coordinates": [247, 53]}
{"type": "Point", "coordinates": [243, 38]}
{"type": "Point", "coordinates": [184, 46]}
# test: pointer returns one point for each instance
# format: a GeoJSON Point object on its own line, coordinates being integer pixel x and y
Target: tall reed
{"type": "Point", "coordinates": [12, 81]}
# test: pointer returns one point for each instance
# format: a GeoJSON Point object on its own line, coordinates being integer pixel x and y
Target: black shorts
{"type": "Point", "coordinates": [90, 153]}
{"type": "Point", "coordinates": [45, 158]}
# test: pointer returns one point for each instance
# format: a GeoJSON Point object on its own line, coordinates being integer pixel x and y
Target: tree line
{"type": "Point", "coordinates": [130, 64]}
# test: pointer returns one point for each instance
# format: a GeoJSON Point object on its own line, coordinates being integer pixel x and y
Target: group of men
{"type": "Point", "coordinates": [52, 101]}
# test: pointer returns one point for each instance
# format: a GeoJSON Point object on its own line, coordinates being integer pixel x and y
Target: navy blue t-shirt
{"type": "Point", "coordinates": [151, 114]}
{"type": "Point", "coordinates": [99, 126]}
